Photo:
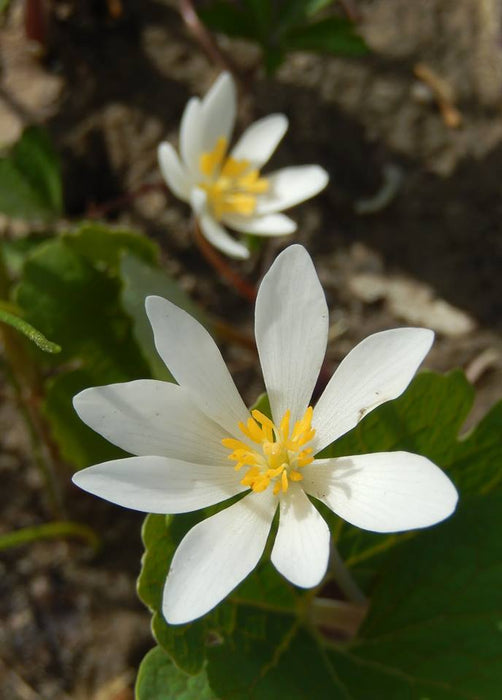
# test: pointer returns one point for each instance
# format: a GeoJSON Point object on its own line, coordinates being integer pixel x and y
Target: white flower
{"type": "Point", "coordinates": [228, 190]}
{"type": "Point", "coordinates": [188, 437]}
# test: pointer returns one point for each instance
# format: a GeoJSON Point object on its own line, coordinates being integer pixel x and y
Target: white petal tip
{"type": "Point", "coordinates": [163, 147]}
{"type": "Point", "coordinates": [179, 616]}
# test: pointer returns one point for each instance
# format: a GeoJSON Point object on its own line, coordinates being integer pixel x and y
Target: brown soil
{"type": "Point", "coordinates": [414, 199]}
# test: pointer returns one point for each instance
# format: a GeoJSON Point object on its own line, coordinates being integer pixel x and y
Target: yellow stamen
{"type": "Point", "coordinates": [210, 162]}
{"type": "Point", "coordinates": [231, 185]}
{"type": "Point", "coordinates": [276, 455]}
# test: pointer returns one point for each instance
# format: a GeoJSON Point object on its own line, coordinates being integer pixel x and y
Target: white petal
{"type": "Point", "coordinates": [268, 225]}
{"type": "Point", "coordinates": [159, 484]}
{"type": "Point", "coordinates": [290, 186]}
{"type": "Point", "coordinates": [196, 363]}
{"type": "Point", "coordinates": [260, 140]}
{"type": "Point", "coordinates": [216, 555]}
{"type": "Point", "coordinates": [301, 548]}
{"type": "Point", "coordinates": [382, 492]}
{"type": "Point", "coordinates": [220, 238]}
{"type": "Point", "coordinates": [190, 135]}
{"type": "Point", "coordinates": [173, 172]}
{"type": "Point", "coordinates": [291, 331]}
{"type": "Point", "coordinates": [377, 370]}
{"type": "Point", "coordinates": [148, 417]}
{"type": "Point", "coordinates": [218, 109]}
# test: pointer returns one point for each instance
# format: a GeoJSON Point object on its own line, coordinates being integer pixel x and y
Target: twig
{"type": "Point", "coordinates": [228, 332]}
{"type": "Point", "coordinates": [244, 288]}
{"type": "Point", "coordinates": [351, 10]}
{"type": "Point", "coordinates": [443, 94]}
{"type": "Point", "coordinates": [99, 211]}
{"type": "Point", "coordinates": [36, 22]}
{"type": "Point", "coordinates": [206, 40]}
{"type": "Point", "coordinates": [17, 684]}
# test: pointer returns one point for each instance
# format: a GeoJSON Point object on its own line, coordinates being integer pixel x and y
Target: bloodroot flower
{"type": "Point", "coordinates": [196, 443]}
{"type": "Point", "coordinates": [227, 189]}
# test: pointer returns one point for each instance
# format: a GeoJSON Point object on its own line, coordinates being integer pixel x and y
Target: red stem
{"type": "Point", "coordinates": [244, 288]}
{"type": "Point", "coordinates": [99, 211]}
{"type": "Point", "coordinates": [205, 39]}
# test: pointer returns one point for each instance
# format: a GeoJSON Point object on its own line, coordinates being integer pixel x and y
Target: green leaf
{"type": "Point", "coordinates": [284, 25]}
{"type": "Point", "coordinates": [187, 644]}
{"type": "Point", "coordinates": [426, 420]}
{"type": "Point", "coordinates": [139, 281]}
{"type": "Point", "coordinates": [184, 643]}
{"type": "Point", "coordinates": [434, 625]}
{"type": "Point", "coordinates": [312, 7]}
{"type": "Point", "coordinates": [16, 250]}
{"type": "Point", "coordinates": [332, 35]}
{"type": "Point", "coordinates": [103, 245]}
{"type": "Point", "coordinates": [433, 629]}
{"type": "Point", "coordinates": [30, 179]}
{"type": "Point", "coordinates": [159, 679]}
{"type": "Point", "coordinates": [435, 590]}
{"type": "Point", "coordinates": [78, 444]}
{"type": "Point", "coordinates": [228, 19]}
{"type": "Point", "coordinates": [12, 319]}
{"type": "Point", "coordinates": [77, 303]}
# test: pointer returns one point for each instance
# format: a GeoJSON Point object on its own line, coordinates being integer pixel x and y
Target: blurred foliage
{"type": "Point", "coordinates": [283, 26]}
{"type": "Point", "coordinates": [55, 530]}
{"type": "Point", "coordinates": [30, 179]}
{"type": "Point", "coordinates": [86, 290]}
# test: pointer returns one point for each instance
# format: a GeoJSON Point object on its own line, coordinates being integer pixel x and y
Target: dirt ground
{"type": "Point", "coordinates": [407, 232]}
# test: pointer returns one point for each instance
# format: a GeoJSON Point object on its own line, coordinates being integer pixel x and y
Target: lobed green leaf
{"type": "Point", "coordinates": [427, 420]}
{"type": "Point", "coordinates": [159, 679]}
{"type": "Point", "coordinates": [432, 630]}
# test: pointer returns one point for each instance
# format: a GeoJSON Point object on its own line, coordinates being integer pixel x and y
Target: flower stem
{"type": "Point", "coordinates": [242, 287]}
{"type": "Point", "coordinates": [99, 211]}
{"type": "Point", "coordinates": [344, 579]}
{"type": "Point", "coordinates": [339, 617]}
{"type": "Point", "coordinates": [205, 39]}
{"type": "Point", "coordinates": [231, 334]}
{"type": "Point", "coordinates": [55, 530]}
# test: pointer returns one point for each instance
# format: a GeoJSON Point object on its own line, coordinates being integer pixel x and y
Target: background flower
{"type": "Point", "coordinates": [227, 189]}
{"type": "Point", "coordinates": [184, 435]}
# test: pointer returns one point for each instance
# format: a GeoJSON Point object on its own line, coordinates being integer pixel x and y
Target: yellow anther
{"type": "Point", "coordinates": [231, 186]}
{"type": "Point", "coordinates": [284, 481]}
{"type": "Point", "coordinates": [285, 423]}
{"type": "Point", "coordinates": [234, 168]}
{"type": "Point", "coordinates": [277, 456]}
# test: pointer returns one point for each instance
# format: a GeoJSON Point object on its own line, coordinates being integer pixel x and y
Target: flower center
{"type": "Point", "coordinates": [232, 185]}
{"type": "Point", "coordinates": [279, 454]}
